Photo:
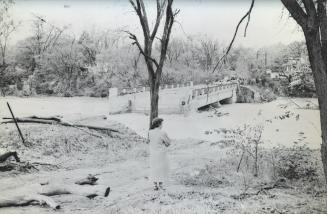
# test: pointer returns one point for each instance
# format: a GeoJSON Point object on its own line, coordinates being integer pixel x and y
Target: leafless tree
{"type": "Point", "coordinates": [175, 50]}
{"type": "Point", "coordinates": [7, 27]}
{"type": "Point", "coordinates": [45, 36]}
{"type": "Point", "coordinates": [154, 66]}
{"type": "Point", "coordinates": [209, 51]}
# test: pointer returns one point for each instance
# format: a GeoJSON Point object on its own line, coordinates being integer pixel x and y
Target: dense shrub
{"type": "Point", "coordinates": [298, 162]}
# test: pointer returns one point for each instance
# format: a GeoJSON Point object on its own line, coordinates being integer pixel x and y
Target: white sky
{"type": "Point", "coordinates": [216, 19]}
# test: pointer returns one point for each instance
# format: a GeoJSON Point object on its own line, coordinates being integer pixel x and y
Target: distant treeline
{"type": "Point", "coordinates": [54, 62]}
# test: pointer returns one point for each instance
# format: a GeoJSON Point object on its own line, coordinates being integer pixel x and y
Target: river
{"type": "Point", "coordinates": [301, 126]}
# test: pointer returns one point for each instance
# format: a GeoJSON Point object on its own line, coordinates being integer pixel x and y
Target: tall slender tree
{"type": "Point", "coordinates": [7, 27]}
{"type": "Point", "coordinates": [154, 66]}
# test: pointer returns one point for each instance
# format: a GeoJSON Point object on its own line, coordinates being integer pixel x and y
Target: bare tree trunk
{"type": "Point", "coordinates": [154, 67]}
{"type": "Point", "coordinates": [319, 69]}
{"type": "Point", "coordinates": [154, 99]}
{"type": "Point", "coordinates": [313, 21]}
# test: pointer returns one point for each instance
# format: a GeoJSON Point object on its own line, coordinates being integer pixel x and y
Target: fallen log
{"type": "Point", "coordinates": [49, 165]}
{"type": "Point", "coordinates": [42, 121]}
{"type": "Point", "coordinates": [7, 155]}
{"type": "Point", "coordinates": [7, 167]}
{"type": "Point", "coordinates": [17, 201]}
{"type": "Point", "coordinates": [57, 119]}
{"type": "Point", "coordinates": [280, 183]}
{"type": "Point", "coordinates": [21, 166]}
{"type": "Point", "coordinates": [89, 180]}
{"type": "Point", "coordinates": [40, 194]}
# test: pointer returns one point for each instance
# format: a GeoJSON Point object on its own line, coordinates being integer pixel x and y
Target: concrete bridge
{"type": "Point", "coordinates": [172, 98]}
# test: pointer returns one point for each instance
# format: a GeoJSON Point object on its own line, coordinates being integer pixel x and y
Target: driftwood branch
{"type": "Point", "coordinates": [44, 121]}
{"type": "Point", "coordinates": [15, 121]}
{"type": "Point", "coordinates": [57, 119]}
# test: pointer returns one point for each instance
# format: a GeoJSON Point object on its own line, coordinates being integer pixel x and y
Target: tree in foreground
{"type": "Point", "coordinates": [311, 15]}
{"type": "Point", "coordinates": [154, 66]}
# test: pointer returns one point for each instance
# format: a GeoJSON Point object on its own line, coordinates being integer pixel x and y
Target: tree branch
{"type": "Point", "coordinates": [141, 13]}
{"type": "Point", "coordinates": [145, 17]}
{"type": "Point", "coordinates": [160, 7]}
{"type": "Point", "coordinates": [136, 42]}
{"type": "Point", "coordinates": [296, 12]}
{"type": "Point", "coordinates": [170, 18]}
{"type": "Point", "coordinates": [248, 14]}
{"type": "Point", "coordinates": [309, 7]}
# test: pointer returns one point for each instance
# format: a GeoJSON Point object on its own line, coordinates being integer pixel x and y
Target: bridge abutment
{"type": "Point", "coordinates": [232, 99]}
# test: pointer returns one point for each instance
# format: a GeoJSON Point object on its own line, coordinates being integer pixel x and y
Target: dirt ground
{"type": "Point", "coordinates": [203, 175]}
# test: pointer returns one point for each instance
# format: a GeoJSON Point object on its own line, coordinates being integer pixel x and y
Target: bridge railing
{"type": "Point", "coordinates": [125, 91]}
{"type": "Point", "coordinates": [212, 88]}
{"type": "Point", "coordinates": [195, 92]}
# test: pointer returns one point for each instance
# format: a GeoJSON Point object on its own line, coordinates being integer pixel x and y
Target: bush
{"type": "Point", "coordinates": [267, 95]}
{"type": "Point", "coordinates": [210, 175]}
{"type": "Point", "coordinates": [298, 162]}
{"type": "Point", "coordinates": [67, 94]}
{"type": "Point", "coordinates": [49, 91]}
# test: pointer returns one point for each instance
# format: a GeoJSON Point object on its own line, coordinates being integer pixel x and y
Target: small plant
{"type": "Point", "coordinates": [247, 138]}
{"type": "Point", "coordinates": [207, 176]}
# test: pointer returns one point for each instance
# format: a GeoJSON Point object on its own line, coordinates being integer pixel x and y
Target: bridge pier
{"type": "Point", "coordinates": [227, 101]}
